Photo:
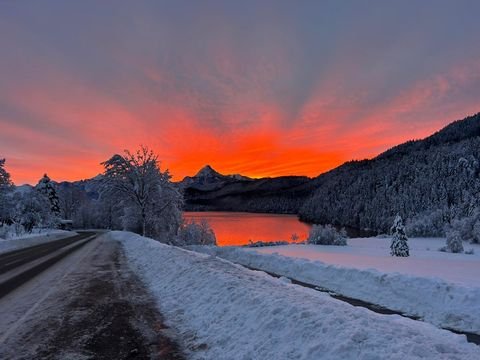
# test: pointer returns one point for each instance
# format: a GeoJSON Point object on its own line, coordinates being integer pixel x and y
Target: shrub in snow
{"type": "Point", "coordinates": [3, 232]}
{"type": "Point", "coordinates": [327, 235]}
{"type": "Point", "coordinates": [399, 244]}
{"type": "Point", "coordinates": [12, 231]}
{"type": "Point", "coordinates": [469, 252]}
{"type": "Point", "coordinates": [427, 224]}
{"type": "Point", "coordinates": [252, 243]}
{"type": "Point", "coordinates": [192, 233]}
{"type": "Point", "coordinates": [468, 227]}
{"type": "Point", "coordinates": [454, 242]}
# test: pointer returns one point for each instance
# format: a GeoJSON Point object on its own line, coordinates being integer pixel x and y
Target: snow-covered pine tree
{"type": "Point", "coordinates": [45, 186]}
{"type": "Point", "coordinates": [399, 244]}
{"type": "Point", "coordinates": [5, 186]}
{"type": "Point", "coordinates": [4, 175]}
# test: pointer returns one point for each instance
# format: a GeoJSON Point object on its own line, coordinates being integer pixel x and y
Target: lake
{"type": "Point", "coordinates": [237, 228]}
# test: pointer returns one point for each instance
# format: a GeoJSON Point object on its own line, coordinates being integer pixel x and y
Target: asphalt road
{"type": "Point", "coordinates": [16, 258]}
{"type": "Point", "coordinates": [86, 305]}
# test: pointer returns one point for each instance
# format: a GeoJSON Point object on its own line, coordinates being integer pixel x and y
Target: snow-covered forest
{"type": "Point", "coordinates": [432, 183]}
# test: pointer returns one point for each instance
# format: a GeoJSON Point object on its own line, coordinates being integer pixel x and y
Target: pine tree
{"type": "Point", "coordinates": [399, 244]}
{"type": "Point", "coordinates": [4, 175]}
{"type": "Point", "coordinates": [5, 186]}
{"type": "Point", "coordinates": [45, 186]}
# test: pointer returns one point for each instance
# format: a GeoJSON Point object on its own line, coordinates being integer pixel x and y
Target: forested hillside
{"type": "Point", "coordinates": [430, 182]}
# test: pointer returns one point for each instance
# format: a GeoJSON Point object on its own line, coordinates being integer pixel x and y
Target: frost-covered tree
{"type": "Point", "coordinates": [46, 187]}
{"type": "Point", "coordinates": [31, 209]}
{"type": "Point", "coordinates": [5, 188]}
{"type": "Point", "coordinates": [399, 244]}
{"type": "Point", "coordinates": [151, 203]}
{"type": "Point", "coordinates": [192, 233]}
{"type": "Point", "coordinates": [327, 235]}
{"type": "Point", "coordinates": [454, 241]}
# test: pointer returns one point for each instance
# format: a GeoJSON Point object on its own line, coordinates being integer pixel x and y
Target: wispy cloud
{"type": "Point", "coordinates": [261, 88]}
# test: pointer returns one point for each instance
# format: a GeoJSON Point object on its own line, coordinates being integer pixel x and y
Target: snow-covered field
{"type": "Point", "coordinates": [224, 311]}
{"type": "Point", "coordinates": [32, 239]}
{"type": "Point", "coordinates": [441, 288]}
{"type": "Point", "coordinates": [374, 253]}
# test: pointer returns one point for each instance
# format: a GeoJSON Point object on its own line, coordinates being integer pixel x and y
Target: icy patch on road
{"type": "Point", "coordinates": [33, 239]}
{"type": "Point", "coordinates": [224, 311]}
{"type": "Point", "coordinates": [435, 300]}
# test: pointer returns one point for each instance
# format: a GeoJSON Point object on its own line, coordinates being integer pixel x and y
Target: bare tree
{"type": "Point", "coordinates": [146, 191]}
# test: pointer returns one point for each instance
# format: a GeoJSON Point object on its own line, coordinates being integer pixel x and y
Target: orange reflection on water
{"type": "Point", "coordinates": [237, 228]}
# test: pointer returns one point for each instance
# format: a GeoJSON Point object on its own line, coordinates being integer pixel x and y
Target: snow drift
{"type": "Point", "coordinates": [436, 301]}
{"type": "Point", "coordinates": [224, 311]}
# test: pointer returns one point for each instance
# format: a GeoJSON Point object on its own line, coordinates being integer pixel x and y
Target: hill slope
{"type": "Point", "coordinates": [429, 182]}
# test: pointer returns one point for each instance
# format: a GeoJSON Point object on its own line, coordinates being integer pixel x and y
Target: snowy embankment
{"type": "Point", "coordinates": [224, 311]}
{"type": "Point", "coordinates": [365, 271]}
{"type": "Point", "coordinates": [32, 239]}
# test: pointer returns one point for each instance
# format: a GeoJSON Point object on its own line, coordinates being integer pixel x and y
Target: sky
{"type": "Point", "coordinates": [261, 88]}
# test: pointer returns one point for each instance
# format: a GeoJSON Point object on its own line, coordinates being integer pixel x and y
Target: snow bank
{"type": "Point", "coordinates": [224, 311]}
{"type": "Point", "coordinates": [32, 239]}
{"type": "Point", "coordinates": [435, 300]}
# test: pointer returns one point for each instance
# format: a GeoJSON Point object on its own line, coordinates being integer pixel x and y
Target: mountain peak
{"type": "Point", "coordinates": [208, 171]}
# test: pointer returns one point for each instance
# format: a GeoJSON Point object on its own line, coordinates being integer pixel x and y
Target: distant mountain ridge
{"type": "Point", "coordinates": [208, 179]}
{"type": "Point", "coordinates": [210, 190]}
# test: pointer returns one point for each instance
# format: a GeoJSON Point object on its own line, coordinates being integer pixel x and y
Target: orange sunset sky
{"type": "Point", "coordinates": [261, 88]}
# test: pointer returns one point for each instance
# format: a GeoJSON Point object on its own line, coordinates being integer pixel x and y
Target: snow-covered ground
{"type": "Point", "coordinates": [374, 253]}
{"type": "Point", "coordinates": [441, 288]}
{"type": "Point", "coordinates": [225, 311]}
{"type": "Point", "coordinates": [32, 239]}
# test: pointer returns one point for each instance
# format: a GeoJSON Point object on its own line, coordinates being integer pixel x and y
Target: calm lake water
{"type": "Point", "coordinates": [237, 228]}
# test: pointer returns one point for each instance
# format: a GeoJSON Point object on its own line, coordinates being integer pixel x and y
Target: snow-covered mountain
{"type": "Point", "coordinates": [208, 178]}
